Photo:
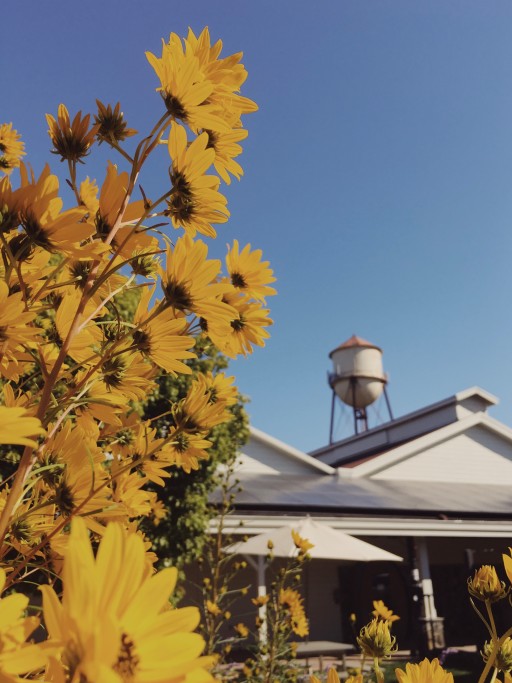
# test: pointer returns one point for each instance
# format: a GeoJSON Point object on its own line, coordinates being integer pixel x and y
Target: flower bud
{"type": "Point", "coordinates": [485, 584]}
{"type": "Point", "coordinates": [375, 639]}
{"type": "Point", "coordinates": [503, 661]}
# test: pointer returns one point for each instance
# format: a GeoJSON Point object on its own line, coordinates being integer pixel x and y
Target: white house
{"type": "Point", "coordinates": [433, 486]}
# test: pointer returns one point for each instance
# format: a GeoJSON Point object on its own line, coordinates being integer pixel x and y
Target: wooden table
{"type": "Point", "coordinates": [323, 648]}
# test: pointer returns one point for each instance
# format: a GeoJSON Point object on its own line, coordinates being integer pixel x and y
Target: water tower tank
{"type": "Point", "coordinates": [357, 377]}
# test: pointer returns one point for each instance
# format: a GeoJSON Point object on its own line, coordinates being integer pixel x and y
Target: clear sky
{"type": "Point", "coordinates": [378, 175]}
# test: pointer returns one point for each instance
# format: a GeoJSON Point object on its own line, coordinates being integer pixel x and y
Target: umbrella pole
{"type": "Point", "coordinates": [262, 591]}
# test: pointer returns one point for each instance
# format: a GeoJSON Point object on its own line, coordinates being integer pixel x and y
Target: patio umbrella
{"type": "Point", "coordinates": [328, 544]}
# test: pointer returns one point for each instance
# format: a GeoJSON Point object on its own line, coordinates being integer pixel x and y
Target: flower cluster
{"type": "Point", "coordinates": [96, 301]}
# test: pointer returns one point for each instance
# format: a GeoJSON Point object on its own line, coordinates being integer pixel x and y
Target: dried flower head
{"type": "Point", "coordinates": [111, 124]}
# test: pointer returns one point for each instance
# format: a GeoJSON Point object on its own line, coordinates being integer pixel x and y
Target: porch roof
{"type": "Point", "coordinates": [336, 495]}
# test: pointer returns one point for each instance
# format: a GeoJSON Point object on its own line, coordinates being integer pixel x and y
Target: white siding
{"type": "Point", "coordinates": [475, 456]}
{"type": "Point", "coordinates": [269, 457]}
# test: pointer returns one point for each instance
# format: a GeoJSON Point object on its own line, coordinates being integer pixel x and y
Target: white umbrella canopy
{"type": "Point", "coordinates": [328, 544]}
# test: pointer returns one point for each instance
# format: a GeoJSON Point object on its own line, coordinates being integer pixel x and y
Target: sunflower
{"type": "Point", "coordinates": [293, 602]}
{"type": "Point", "coordinates": [226, 148]}
{"type": "Point", "coordinates": [108, 208]}
{"type": "Point", "coordinates": [424, 672]}
{"type": "Point", "coordinates": [302, 544]}
{"type": "Point", "coordinates": [114, 623]}
{"type": "Point", "coordinates": [17, 425]}
{"type": "Point", "coordinates": [186, 450]}
{"type": "Point", "coordinates": [72, 140]}
{"type": "Point", "coordinates": [128, 375]}
{"type": "Point", "coordinates": [219, 387]}
{"type": "Point", "coordinates": [145, 451]}
{"type": "Point", "coordinates": [197, 412]}
{"type": "Point", "coordinates": [246, 328]}
{"type": "Point", "coordinates": [384, 613]}
{"type": "Point", "coordinates": [189, 282]}
{"type": "Point", "coordinates": [248, 273]}
{"type": "Point", "coordinates": [11, 148]}
{"type": "Point", "coordinates": [16, 333]}
{"type": "Point", "coordinates": [75, 477]}
{"type": "Point", "coordinates": [42, 221]}
{"type": "Point", "coordinates": [9, 206]}
{"type": "Point", "coordinates": [227, 74]}
{"type": "Point", "coordinates": [162, 337]}
{"type": "Point", "coordinates": [184, 88]}
{"type": "Point", "coordinates": [85, 343]}
{"type": "Point", "coordinates": [16, 655]}
{"type": "Point", "coordinates": [332, 677]}
{"type": "Point", "coordinates": [195, 202]}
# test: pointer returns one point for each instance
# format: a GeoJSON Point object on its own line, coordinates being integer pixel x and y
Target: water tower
{"type": "Point", "coordinates": [357, 379]}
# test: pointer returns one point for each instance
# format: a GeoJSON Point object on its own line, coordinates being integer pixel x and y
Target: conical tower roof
{"type": "Point", "coordinates": [353, 342]}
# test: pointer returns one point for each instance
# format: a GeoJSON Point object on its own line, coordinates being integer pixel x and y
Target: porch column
{"type": "Point", "coordinates": [433, 624]}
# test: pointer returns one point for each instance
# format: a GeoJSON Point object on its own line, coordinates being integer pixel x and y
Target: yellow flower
{"type": "Point", "coordinates": [425, 672]}
{"type": "Point", "coordinates": [127, 240]}
{"type": "Point", "coordinates": [186, 450]}
{"type": "Point", "coordinates": [290, 599]}
{"type": "Point", "coordinates": [111, 124]}
{"type": "Point", "coordinates": [332, 677]}
{"type": "Point", "coordinates": [226, 148]}
{"type": "Point", "coordinates": [219, 388]}
{"type": "Point", "coordinates": [184, 88]}
{"type": "Point", "coordinates": [246, 328]}
{"type": "Point", "coordinates": [384, 613]}
{"type": "Point", "coordinates": [162, 338]}
{"type": "Point", "coordinates": [248, 273]}
{"type": "Point", "coordinates": [213, 609]}
{"type": "Point", "coordinates": [301, 543]}
{"type": "Point", "coordinates": [16, 425]}
{"type": "Point", "coordinates": [242, 630]}
{"type": "Point", "coordinates": [260, 601]}
{"type": "Point", "coordinates": [11, 148]}
{"type": "Point", "coordinates": [72, 140]}
{"type": "Point", "coordinates": [17, 656]}
{"type": "Point", "coordinates": [114, 623]}
{"type": "Point", "coordinates": [42, 221]}
{"type": "Point", "coordinates": [189, 282]}
{"type": "Point", "coordinates": [507, 562]}
{"type": "Point", "coordinates": [196, 412]}
{"type": "Point", "coordinates": [17, 334]}
{"type": "Point", "coordinates": [195, 202]}
{"type": "Point", "coordinates": [503, 660]}
{"type": "Point", "coordinates": [485, 584]}
{"type": "Point", "coordinates": [227, 74]}
{"type": "Point", "coordinates": [375, 639]}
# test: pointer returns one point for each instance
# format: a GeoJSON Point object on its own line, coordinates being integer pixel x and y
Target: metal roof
{"type": "Point", "coordinates": [315, 493]}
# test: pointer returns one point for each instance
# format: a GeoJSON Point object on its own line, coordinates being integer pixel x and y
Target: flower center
{"type": "Point", "coordinates": [127, 660]}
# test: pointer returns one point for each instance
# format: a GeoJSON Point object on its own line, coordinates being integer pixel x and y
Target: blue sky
{"type": "Point", "coordinates": [378, 175]}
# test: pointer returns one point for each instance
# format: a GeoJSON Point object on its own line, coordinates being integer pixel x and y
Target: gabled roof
{"type": "Point", "coordinates": [264, 453]}
{"type": "Point", "coordinates": [403, 429]}
{"type": "Point", "coordinates": [476, 449]}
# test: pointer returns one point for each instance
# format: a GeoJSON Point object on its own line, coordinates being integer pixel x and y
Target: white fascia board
{"type": "Point", "coordinates": [238, 524]}
{"type": "Point", "coordinates": [491, 399]}
{"type": "Point", "coordinates": [382, 462]}
{"type": "Point", "coordinates": [290, 451]}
